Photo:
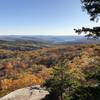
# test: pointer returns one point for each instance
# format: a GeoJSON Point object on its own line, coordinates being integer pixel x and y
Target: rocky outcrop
{"type": "Point", "coordinates": [29, 93]}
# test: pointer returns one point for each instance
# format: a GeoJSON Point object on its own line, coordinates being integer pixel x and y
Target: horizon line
{"type": "Point", "coordinates": [38, 35]}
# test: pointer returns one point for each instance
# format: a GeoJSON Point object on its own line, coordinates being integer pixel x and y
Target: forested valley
{"type": "Point", "coordinates": [68, 71]}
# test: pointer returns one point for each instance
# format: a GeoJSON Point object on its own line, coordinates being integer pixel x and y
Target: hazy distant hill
{"type": "Point", "coordinates": [50, 39]}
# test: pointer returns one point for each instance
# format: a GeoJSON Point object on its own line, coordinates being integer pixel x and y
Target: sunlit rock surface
{"type": "Point", "coordinates": [29, 93]}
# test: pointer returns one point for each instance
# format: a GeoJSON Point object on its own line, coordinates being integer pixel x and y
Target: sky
{"type": "Point", "coordinates": [42, 17]}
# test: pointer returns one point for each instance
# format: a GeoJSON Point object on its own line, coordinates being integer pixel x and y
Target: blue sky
{"type": "Point", "coordinates": [41, 17]}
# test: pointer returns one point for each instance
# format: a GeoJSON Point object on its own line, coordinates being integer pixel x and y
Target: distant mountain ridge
{"type": "Point", "coordinates": [49, 39]}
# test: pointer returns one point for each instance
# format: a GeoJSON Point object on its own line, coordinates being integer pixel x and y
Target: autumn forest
{"type": "Point", "coordinates": [22, 68]}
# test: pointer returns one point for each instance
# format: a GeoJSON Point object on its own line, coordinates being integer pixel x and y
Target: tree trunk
{"type": "Point", "coordinates": [61, 96]}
